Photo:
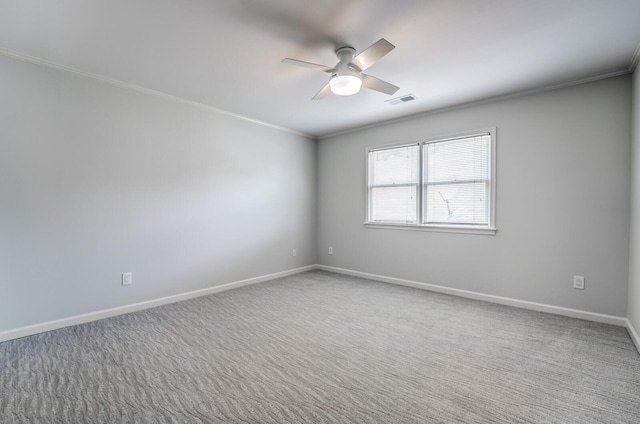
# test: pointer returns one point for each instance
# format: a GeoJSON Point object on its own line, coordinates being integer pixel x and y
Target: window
{"type": "Point", "coordinates": [394, 184]}
{"type": "Point", "coordinates": [445, 184]}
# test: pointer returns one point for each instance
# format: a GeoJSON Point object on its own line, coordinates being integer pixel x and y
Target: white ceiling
{"type": "Point", "coordinates": [226, 53]}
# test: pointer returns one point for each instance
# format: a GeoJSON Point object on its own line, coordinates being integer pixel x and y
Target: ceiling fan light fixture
{"type": "Point", "coordinates": [345, 85]}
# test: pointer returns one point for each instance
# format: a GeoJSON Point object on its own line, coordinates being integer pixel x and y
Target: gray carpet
{"type": "Point", "coordinates": [324, 348]}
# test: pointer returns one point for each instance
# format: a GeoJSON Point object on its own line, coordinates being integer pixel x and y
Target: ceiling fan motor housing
{"type": "Point", "coordinates": [345, 55]}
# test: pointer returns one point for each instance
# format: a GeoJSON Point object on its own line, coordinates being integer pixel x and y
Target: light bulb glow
{"type": "Point", "coordinates": [345, 85]}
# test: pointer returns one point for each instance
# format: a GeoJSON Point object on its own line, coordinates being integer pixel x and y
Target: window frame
{"type": "Point", "coordinates": [489, 229]}
{"type": "Point", "coordinates": [418, 184]}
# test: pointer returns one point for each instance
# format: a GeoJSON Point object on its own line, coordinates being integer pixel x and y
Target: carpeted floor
{"type": "Point", "coordinates": [324, 348]}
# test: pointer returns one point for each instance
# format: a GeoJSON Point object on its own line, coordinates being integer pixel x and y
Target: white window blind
{"type": "Point", "coordinates": [456, 181]}
{"type": "Point", "coordinates": [393, 184]}
{"type": "Point", "coordinates": [440, 183]}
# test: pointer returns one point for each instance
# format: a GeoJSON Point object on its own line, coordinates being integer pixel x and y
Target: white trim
{"type": "Point", "coordinates": [122, 84]}
{"type": "Point", "coordinates": [473, 103]}
{"type": "Point", "coordinates": [633, 334]}
{"type": "Point", "coordinates": [106, 313]}
{"type": "Point", "coordinates": [461, 229]}
{"type": "Point", "coordinates": [56, 66]}
{"type": "Point", "coordinates": [540, 307]}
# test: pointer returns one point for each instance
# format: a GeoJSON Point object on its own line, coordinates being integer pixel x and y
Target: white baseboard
{"type": "Point", "coordinates": [633, 334]}
{"type": "Point", "coordinates": [541, 307]}
{"type": "Point", "coordinates": [106, 313]}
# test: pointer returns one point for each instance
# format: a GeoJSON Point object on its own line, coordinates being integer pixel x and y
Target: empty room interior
{"type": "Point", "coordinates": [341, 211]}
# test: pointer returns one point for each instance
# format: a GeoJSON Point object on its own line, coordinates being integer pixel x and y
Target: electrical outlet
{"type": "Point", "coordinates": [293, 252]}
{"type": "Point", "coordinates": [578, 282]}
{"type": "Point", "coordinates": [331, 250]}
{"type": "Point", "coordinates": [127, 278]}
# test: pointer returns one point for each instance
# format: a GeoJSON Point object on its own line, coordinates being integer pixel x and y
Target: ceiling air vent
{"type": "Point", "coordinates": [403, 99]}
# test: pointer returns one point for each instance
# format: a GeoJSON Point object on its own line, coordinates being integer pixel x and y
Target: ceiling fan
{"type": "Point", "coordinates": [346, 76]}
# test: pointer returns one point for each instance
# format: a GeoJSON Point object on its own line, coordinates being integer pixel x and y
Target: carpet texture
{"type": "Point", "coordinates": [319, 347]}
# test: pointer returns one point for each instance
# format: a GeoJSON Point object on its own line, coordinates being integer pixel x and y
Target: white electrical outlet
{"type": "Point", "coordinates": [293, 252]}
{"type": "Point", "coordinates": [578, 282]}
{"type": "Point", "coordinates": [331, 250]}
{"type": "Point", "coordinates": [127, 278]}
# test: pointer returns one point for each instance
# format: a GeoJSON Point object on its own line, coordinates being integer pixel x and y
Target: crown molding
{"type": "Point", "coordinates": [633, 63]}
{"type": "Point", "coordinates": [478, 102]}
{"type": "Point", "coordinates": [114, 82]}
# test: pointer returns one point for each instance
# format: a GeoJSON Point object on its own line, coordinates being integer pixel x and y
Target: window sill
{"type": "Point", "coordinates": [460, 229]}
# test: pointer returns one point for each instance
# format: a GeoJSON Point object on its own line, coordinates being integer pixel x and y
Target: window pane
{"type": "Point", "coordinates": [456, 181]}
{"type": "Point", "coordinates": [457, 203]}
{"type": "Point", "coordinates": [393, 183]}
{"type": "Point", "coordinates": [465, 159]}
{"type": "Point", "coordinates": [394, 166]}
{"type": "Point", "coordinates": [393, 203]}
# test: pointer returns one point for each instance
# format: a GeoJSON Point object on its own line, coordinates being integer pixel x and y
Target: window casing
{"type": "Point", "coordinates": [441, 184]}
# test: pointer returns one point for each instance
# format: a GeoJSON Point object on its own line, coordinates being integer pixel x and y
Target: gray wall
{"type": "Point", "coordinates": [634, 249]}
{"type": "Point", "coordinates": [562, 201]}
{"type": "Point", "coordinates": [96, 180]}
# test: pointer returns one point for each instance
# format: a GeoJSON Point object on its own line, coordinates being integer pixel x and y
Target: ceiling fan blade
{"type": "Point", "coordinates": [322, 93]}
{"type": "Point", "coordinates": [377, 84]}
{"type": "Point", "coordinates": [372, 54]}
{"type": "Point", "coordinates": [307, 64]}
